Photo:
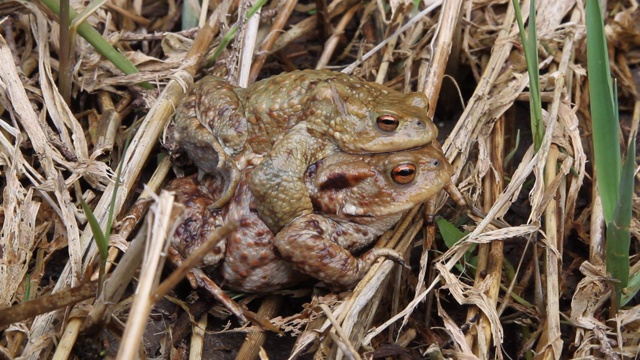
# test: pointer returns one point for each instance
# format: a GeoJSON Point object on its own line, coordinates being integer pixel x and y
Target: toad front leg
{"type": "Point", "coordinates": [311, 245]}
{"type": "Point", "coordinates": [210, 126]}
{"type": "Point", "coordinates": [278, 181]}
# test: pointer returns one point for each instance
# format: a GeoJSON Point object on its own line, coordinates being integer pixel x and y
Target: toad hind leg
{"type": "Point", "coordinates": [306, 244]}
{"type": "Point", "coordinates": [212, 288]}
{"type": "Point", "coordinates": [197, 278]}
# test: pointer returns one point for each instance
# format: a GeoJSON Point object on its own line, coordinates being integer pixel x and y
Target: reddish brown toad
{"type": "Point", "coordinates": [355, 198]}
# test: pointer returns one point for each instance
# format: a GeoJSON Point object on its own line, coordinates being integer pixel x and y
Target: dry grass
{"type": "Point", "coordinates": [538, 285]}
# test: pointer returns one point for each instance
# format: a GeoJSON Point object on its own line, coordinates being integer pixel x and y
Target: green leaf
{"type": "Point", "coordinates": [632, 289]}
{"type": "Point", "coordinates": [450, 234]}
{"type": "Point", "coordinates": [530, 47]}
{"type": "Point", "coordinates": [101, 241]}
{"type": "Point", "coordinates": [618, 234]}
{"type": "Point", "coordinates": [531, 55]}
{"type": "Point", "coordinates": [603, 114]}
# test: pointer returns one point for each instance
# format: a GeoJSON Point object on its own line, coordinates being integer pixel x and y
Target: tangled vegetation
{"type": "Point", "coordinates": [522, 273]}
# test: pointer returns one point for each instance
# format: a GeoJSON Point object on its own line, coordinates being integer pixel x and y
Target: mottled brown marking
{"type": "Point", "coordinates": [342, 180]}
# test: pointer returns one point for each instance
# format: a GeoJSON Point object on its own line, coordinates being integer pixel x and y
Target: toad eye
{"type": "Point", "coordinates": [387, 122]}
{"type": "Point", "coordinates": [404, 173]}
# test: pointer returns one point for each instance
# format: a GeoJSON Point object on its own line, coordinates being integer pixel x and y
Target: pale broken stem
{"type": "Point", "coordinates": [255, 339]}
{"type": "Point", "coordinates": [550, 343]}
{"type": "Point", "coordinates": [447, 23]}
{"type": "Point", "coordinates": [203, 13]}
{"type": "Point", "coordinates": [490, 256]}
{"type": "Point", "coordinates": [496, 255]}
{"type": "Point", "coordinates": [570, 120]}
{"type": "Point", "coordinates": [332, 42]}
{"type": "Point", "coordinates": [342, 336]}
{"type": "Point", "coordinates": [69, 337]}
{"type": "Point", "coordinates": [279, 23]}
{"type": "Point", "coordinates": [474, 339]}
{"type": "Point", "coordinates": [112, 118]}
{"type": "Point", "coordinates": [149, 276]}
{"type": "Point", "coordinates": [63, 350]}
{"type": "Point", "coordinates": [196, 345]}
{"type": "Point", "coordinates": [386, 59]}
{"type": "Point", "coordinates": [248, 45]}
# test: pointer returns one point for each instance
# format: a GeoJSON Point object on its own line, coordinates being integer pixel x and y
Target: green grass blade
{"type": "Point", "coordinates": [530, 47]}
{"type": "Point", "coordinates": [27, 288]}
{"type": "Point", "coordinates": [233, 30]}
{"type": "Point", "coordinates": [116, 187]}
{"type": "Point", "coordinates": [95, 228]}
{"type": "Point", "coordinates": [223, 43]}
{"type": "Point", "coordinates": [64, 66]}
{"type": "Point", "coordinates": [102, 238]}
{"type": "Point", "coordinates": [604, 118]}
{"type": "Point", "coordinates": [535, 103]}
{"type": "Point", "coordinates": [618, 234]}
{"type": "Point", "coordinates": [90, 9]}
{"type": "Point", "coordinates": [632, 288]}
{"type": "Point", "coordinates": [101, 241]}
{"type": "Point", "coordinates": [94, 38]}
{"type": "Point", "coordinates": [512, 153]}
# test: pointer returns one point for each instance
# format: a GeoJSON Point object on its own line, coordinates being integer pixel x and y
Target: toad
{"type": "Point", "coordinates": [290, 121]}
{"type": "Point", "coordinates": [355, 199]}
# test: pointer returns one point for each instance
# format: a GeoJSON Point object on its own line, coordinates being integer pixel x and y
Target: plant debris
{"type": "Point", "coordinates": [527, 280]}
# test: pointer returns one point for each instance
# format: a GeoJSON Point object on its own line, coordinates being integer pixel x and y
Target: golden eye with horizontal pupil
{"type": "Point", "coordinates": [404, 173]}
{"type": "Point", "coordinates": [387, 122]}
